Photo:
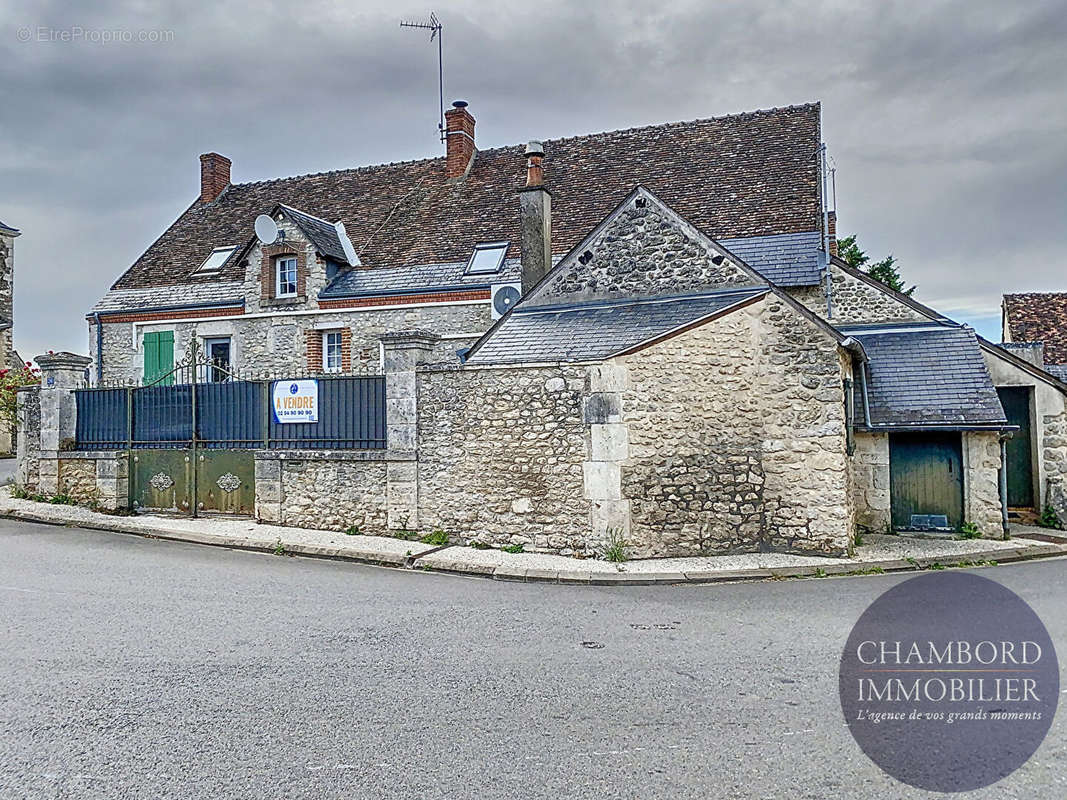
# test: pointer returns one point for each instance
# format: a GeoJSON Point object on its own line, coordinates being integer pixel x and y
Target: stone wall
{"type": "Point", "coordinates": [981, 485]}
{"type": "Point", "coordinates": [278, 344]}
{"type": "Point", "coordinates": [736, 436]}
{"type": "Point", "coordinates": [500, 456]}
{"type": "Point", "coordinates": [870, 477]}
{"type": "Point", "coordinates": [77, 479]}
{"type": "Point", "coordinates": [855, 301]}
{"type": "Point", "coordinates": [319, 489]}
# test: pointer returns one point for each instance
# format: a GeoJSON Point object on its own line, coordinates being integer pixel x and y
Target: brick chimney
{"type": "Point", "coordinates": [459, 140]}
{"type": "Point", "coordinates": [535, 220]}
{"type": "Point", "coordinates": [214, 176]}
{"type": "Point", "coordinates": [832, 220]}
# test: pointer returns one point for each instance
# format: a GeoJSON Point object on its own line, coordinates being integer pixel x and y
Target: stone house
{"type": "Point", "coordinates": [644, 334]}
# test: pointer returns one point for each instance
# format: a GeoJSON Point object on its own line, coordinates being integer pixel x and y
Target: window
{"type": "Point", "coordinates": [285, 272]}
{"type": "Point", "coordinates": [331, 351]}
{"type": "Point", "coordinates": [487, 258]}
{"type": "Point", "coordinates": [214, 262]}
{"type": "Point", "coordinates": [218, 356]}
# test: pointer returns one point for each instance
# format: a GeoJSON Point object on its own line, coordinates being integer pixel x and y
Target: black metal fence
{"type": "Point", "coordinates": [230, 415]}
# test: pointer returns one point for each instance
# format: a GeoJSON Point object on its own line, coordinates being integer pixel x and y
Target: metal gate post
{"type": "Point", "coordinates": [131, 476]}
{"type": "Point", "coordinates": [195, 492]}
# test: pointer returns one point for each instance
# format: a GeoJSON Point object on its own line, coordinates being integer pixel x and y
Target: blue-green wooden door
{"type": "Point", "coordinates": [926, 476]}
{"type": "Point", "coordinates": [1020, 453]}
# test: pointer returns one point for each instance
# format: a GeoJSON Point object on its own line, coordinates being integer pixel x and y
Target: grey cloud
{"type": "Point", "coordinates": [946, 120]}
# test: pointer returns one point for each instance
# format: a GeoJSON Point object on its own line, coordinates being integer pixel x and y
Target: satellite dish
{"type": "Point", "coordinates": [266, 229]}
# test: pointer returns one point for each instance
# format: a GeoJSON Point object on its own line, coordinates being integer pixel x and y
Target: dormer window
{"type": "Point", "coordinates": [487, 258]}
{"type": "Point", "coordinates": [214, 262]}
{"type": "Point", "coordinates": [285, 276]}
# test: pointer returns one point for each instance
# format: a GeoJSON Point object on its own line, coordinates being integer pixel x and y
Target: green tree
{"type": "Point", "coordinates": [884, 271]}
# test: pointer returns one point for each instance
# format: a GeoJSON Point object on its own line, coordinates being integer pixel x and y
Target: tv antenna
{"type": "Point", "coordinates": [435, 27]}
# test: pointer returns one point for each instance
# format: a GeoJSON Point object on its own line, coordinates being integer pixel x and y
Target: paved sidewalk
{"type": "Point", "coordinates": [879, 553]}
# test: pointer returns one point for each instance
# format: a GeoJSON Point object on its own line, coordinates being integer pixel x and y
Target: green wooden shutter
{"type": "Point", "coordinates": [159, 356]}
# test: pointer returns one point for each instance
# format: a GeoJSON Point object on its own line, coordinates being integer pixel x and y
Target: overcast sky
{"type": "Point", "coordinates": [947, 121]}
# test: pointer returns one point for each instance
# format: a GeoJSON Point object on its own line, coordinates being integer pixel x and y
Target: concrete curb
{"type": "Point", "coordinates": [515, 572]}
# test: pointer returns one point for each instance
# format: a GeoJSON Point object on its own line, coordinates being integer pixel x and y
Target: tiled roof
{"type": "Point", "coordinates": [926, 374]}
{"type": "Point", "coordinates": [421, 277]}
{"type": "Point", "coordinates": [737, 176]}
{"type": "Point", "coordinates": [1057, 371]}
{"type": "Point", "coordinates": [1039, 317]}
{"type": "Point", "coordinates": [200, 294]}
{"type": "Point", "coordinates": [594, 331]}
{"type": "Point", "coordinates": [7, 228]}
{"type": "Point", "coordinates": [322, 234]}
{"type": "Point", "coordinates": [787, 259]}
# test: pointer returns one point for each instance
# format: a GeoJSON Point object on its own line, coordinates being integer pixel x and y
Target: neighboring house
{"type": "Point", "coordinates": [8, 357]}
{"type": "Point", "coordinates": [1037, 318]}
{"type": "Point", "coordinates": [637, 331]}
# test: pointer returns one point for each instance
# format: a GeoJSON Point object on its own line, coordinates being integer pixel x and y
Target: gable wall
{"type": "Point", "coordinates": [643, 252]}
{"type": "Point", "coordinates": [855, 301]}
{"type": "Point", "coordinates": [736, 438]}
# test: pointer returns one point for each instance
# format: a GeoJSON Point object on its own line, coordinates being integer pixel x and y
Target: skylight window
{"type": "Point", "coordinates": [487, 258]}
{"type": "Point", "coordinates": [217, 258]}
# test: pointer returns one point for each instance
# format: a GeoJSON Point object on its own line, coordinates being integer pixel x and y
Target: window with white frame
{"type": "Point", "coordinates": [285, 272]}
{"type": "Point", "coordinates": [331, 351]}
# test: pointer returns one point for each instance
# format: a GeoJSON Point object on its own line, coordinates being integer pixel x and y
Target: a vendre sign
{"type": "Point", "coordinates": [296, 401]}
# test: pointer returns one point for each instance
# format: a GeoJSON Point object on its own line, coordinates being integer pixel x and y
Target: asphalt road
{"type": "Point", "coordinates": [133, 668]}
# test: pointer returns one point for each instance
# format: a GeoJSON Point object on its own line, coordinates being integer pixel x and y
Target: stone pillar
{"type": "Point", "coordinates": [61, 374]}
{"type": "Point", "coordinates": [403, 352]}
{"type": "Point", "coordinates": [609, 448]}
{"type": "Point", "coordinates": [28, 445]}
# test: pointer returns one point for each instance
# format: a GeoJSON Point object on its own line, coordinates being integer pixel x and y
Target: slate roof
{"type": "Point", "coordinates": [200, 294]}
{"type": "Point", "coordinates": [735, 176]}
{"type": "Point", "coordinates": [322, 234]}
{"type": "Point", "coordinates": [355, 282]}
{"type": "Point", "coordinates": [788, 259]}
{"type": "Point", "coordinates": [594, 331]}
{"type": "Point", "coordinates": [1039, 317]}
{"type": "Point", "coordinates": [926, 374]}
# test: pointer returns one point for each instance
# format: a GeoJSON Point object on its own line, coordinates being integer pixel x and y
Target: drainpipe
{"type": "Point", "coordinates": [854, 347]}
{"type": "Point", "coordinates": [99, 350]}
{"type": "Point", "coordinates": [1003, 478]}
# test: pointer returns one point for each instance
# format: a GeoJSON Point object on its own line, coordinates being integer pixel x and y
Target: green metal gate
{"type": "Point", "coordinates": [191, 433]}
{"type": "Point", "coordinates": [926, 476]}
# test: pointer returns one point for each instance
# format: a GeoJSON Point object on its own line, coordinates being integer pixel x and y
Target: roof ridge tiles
{"type": "Point", "coordinates": [483, 151]}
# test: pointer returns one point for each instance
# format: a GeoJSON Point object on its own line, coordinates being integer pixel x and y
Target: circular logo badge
{"type": "Point", "coordinates": [949, 682]}
{"type": "Point", "coordinates": [293, 389]}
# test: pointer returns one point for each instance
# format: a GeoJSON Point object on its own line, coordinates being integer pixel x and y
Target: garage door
{"type": "Point", "coordinates": [926, 476]}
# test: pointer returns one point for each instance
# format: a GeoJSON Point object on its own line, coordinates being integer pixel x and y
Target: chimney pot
{"type": "Point", "coordinates": [214, 176]}
{"type": "Point", "coordinates": [459, 140]}
{"type": "Point", "coordinates": [535, 171]}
